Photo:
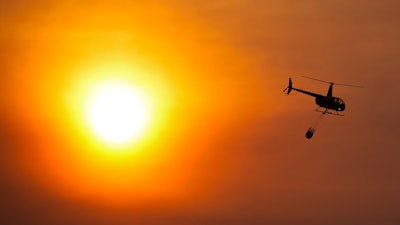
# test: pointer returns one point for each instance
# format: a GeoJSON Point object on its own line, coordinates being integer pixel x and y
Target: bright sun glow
{"type": "Point", "coordinates": [117, 113]}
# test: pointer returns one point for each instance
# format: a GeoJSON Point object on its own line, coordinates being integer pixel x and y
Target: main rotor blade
{"type": "Point", "coordinates": [348, 85]}
{"type": "Point", "coordinates": [317, 80]}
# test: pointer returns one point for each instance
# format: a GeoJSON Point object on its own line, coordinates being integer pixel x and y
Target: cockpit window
{"type": "Point", "coordinates": [336, 100]}
{"type": "Point", "coordinates": [339, 101]}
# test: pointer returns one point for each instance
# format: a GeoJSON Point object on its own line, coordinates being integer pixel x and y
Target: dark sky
{"type": "Point", "coordinates": [233, 149]}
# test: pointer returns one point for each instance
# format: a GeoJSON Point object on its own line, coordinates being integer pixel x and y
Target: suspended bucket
{"type": "Point", "coordinates": [310, 133]}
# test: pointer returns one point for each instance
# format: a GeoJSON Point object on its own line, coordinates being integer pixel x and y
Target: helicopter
{"type": "Point", "coordinates": [330, 104]}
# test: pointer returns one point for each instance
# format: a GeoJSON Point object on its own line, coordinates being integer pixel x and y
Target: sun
{"type": "Point", "coordinates": [117, 113]}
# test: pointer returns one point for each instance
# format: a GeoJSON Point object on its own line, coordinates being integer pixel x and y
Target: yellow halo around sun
{"type": "Point", "coordinates": [117, 113]}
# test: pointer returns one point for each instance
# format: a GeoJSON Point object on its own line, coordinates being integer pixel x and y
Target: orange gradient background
{"type": "Point", "coordinates": [223, 145]}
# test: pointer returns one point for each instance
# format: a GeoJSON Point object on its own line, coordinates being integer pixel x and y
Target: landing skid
{"type": "Point", "coordinates": [326, 111]}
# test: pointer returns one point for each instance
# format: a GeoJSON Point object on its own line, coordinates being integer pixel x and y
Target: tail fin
{"type": "Point", "coordinates": [289, 88]}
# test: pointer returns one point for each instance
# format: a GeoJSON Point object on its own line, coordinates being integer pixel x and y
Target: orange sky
{"type": "Point", "coordinates": [226, 145]}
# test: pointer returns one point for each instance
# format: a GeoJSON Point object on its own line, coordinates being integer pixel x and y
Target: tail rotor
{"type": "Point", "coordinates": [289, 88]}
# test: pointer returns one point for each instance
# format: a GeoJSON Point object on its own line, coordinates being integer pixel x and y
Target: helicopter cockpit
{"type": "Point", "coordinates": [339, 103]}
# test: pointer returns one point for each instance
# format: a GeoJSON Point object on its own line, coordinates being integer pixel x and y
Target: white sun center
{"type": "Point", "coordinates": [117, 114]}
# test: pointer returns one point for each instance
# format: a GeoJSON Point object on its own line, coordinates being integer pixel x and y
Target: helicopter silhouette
{"type": "Point", "coordinates": [330, 104]}
{"type": "Point", "coordinates": [328, 101]}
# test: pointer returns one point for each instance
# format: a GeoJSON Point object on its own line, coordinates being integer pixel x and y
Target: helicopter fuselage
{"type": "Point", "coordinates": [333, 103]}
{"type": "Point", "coordinates": [328, 101]}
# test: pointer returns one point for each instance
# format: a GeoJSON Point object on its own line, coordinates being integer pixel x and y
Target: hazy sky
{"type": "Point", "coordinates": [230, 146]}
